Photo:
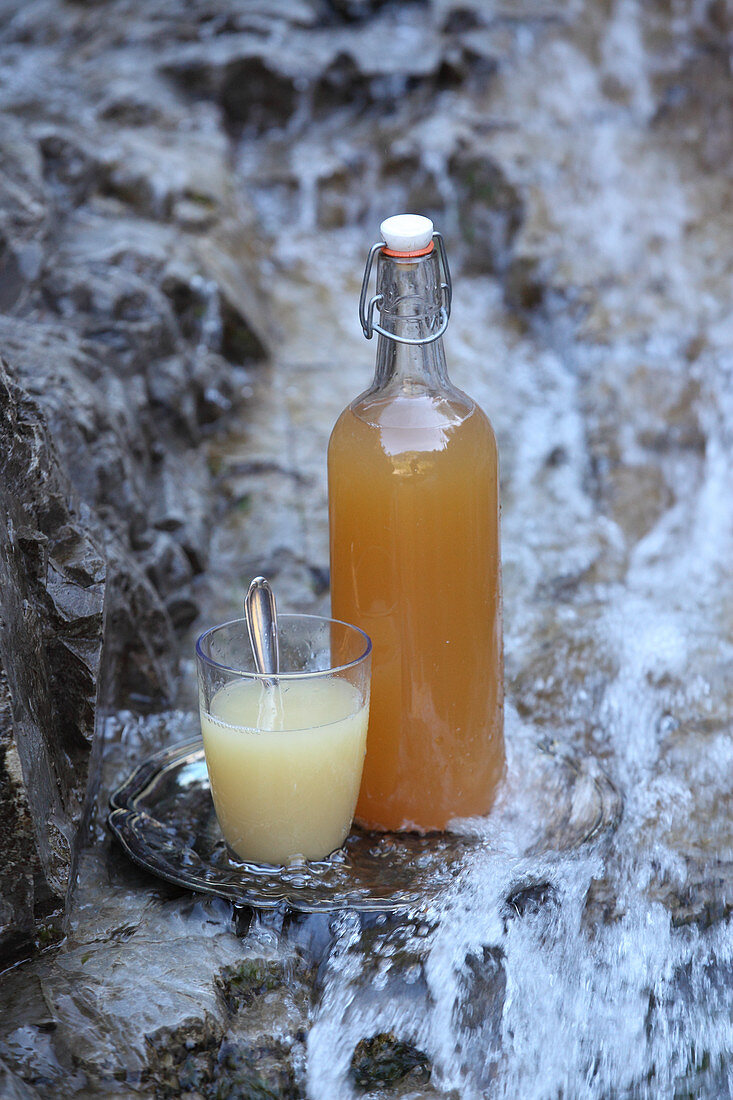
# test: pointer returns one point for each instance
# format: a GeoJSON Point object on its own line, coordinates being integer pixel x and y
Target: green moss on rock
{"type": "Point", "coordinates": [385, 1060]}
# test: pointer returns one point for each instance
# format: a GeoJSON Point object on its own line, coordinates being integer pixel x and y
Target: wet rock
{"type": "Point", "coordinates": [341, 83]}
{"type": "Point", "coordinates": [705, 900]}
{"type": "Point", "coordinates": [61, 658]}
{"type": "Point", "coordinates": [139, 649]}
{"type": "Point", "coordinates": [24, 217]}
{"type": "Point", "coordinates": [465, 67]}
{"type": "Point", "coordinates": [262, 88]}
{"type": "Point", "coordinates": [99, 442]}
{"type": "Point", "coordinates": [637, 491]}
{"type": "Point", "coordinates": [695, 108]}
{"type": "Point", "coordinates": [525, 284]}
{"type": "Point", "coordinates": [70, 167]}
{"type": "Point", "coordinates": [409, 183]}
{"type": "Point", "coordinates": [112, 379]}
{"type": "Point", "coordinates": [112, 351]}
{"type": "Point", "coordinates": [193, 301]}
{"type": "Point", "coordinates": [152, 177]}
{"type": "Point", "coordinates": [403, 182]}
{"type": "Point", "coordinates": [53, 589]}
{"type": "Point", "coordinates": [13, 1087]}
{"type": "Point", "coordinates": [168, 566]}
{"type": "Point", "coordinates": [637, 496]}
{"type": "Point", "coordinates": [477, 1013]}
{"type": "Point", "coordinates": [385, 1060]}
{"type": "Point", "coordinates": [243, 983]}
{"type": "Point", "coordinates": [25, 894]}
{"type": "Point", "coordinates": [481, 996]}
{"type": "Point", "coordinates": [250, 1055]}
{"type": "Point", "coordinates": [490, 209]}
{"type": "Point", "coordinates": [254, 92]}
{"type": "Point", "coordinates": [240, 342]}
{"type": "Point", "coordinates": [459, 19]}
{"type": "Point", "coordinates": [601, 906]}
{"type": "Point", "coordinates": [255, 95]}
{"type": "Point", "coordinates": [566, 677]}
{"type": "Point", "coordinates": [264, 1073]}
{"type": "Point", "coordinates": [527, 900]}
{"type": "Point", "coordinates": [112, 996]}
{"type": "Point", "coordinates": [355, 11]}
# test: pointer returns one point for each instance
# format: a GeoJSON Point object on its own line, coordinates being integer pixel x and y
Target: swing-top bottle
{"type": "Point", "coordinates": [414, 542]}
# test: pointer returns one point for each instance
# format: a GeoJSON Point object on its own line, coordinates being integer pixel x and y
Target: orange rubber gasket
{"type": "Point", "coordinates": [418, 252]}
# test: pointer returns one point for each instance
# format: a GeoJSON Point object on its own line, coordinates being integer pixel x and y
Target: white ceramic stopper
{"type": "Point", "coordinates": [407, 232]}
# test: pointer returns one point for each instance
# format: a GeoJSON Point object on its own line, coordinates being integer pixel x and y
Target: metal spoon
{"type": "Point", "coordinates": [260, 614]}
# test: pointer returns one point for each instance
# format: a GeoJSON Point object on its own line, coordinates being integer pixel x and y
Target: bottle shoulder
{"type": "Point", "coordinates": [400, 409]}
{"type": "Point", "coordinates": [423, 423]}
{"type": "Point", "coordinates": [416, 408]}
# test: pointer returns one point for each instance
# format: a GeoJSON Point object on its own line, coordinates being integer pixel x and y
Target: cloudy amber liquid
{"type": "Point", "coordinates": [413, 510]}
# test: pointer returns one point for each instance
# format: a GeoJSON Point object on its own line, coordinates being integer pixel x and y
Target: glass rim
{"type": "Point", "coordinates": [305, 674]}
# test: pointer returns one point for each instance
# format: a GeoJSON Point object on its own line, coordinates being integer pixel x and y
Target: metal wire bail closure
{"type": "Point", "coordinates": [366, 312]}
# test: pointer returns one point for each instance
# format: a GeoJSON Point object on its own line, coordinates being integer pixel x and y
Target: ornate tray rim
{"type": "Point", "coordinates": [124, 815]}
{"type": "Point", "coordinates": [293, 887]}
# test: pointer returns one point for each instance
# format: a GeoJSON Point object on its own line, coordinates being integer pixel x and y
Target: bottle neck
{"type": "Point", "coordinates": [410, 308]}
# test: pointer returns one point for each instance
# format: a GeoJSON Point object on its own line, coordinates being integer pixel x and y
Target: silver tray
{"type": "Point", "coordinates": [163, 816]}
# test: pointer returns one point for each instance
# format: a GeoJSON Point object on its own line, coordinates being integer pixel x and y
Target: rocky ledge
{"type": "Point", "coordinates": [128, 327]}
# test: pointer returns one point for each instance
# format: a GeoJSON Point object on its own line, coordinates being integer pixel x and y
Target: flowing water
{"type": "Point", "coordinates": [600, 968]}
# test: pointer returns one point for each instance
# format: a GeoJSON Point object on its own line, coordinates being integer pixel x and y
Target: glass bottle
{"type": "Point", "coordinates": [414, 544]}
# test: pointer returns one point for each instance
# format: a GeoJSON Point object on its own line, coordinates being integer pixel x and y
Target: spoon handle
{"type": "Point", "coordinates": [261, 616]}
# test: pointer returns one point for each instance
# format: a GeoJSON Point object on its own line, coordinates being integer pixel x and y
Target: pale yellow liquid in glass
{"type": "Point", "coordinates": [413, 504]}
{"type": "Point", "coordinates": [285, 771]}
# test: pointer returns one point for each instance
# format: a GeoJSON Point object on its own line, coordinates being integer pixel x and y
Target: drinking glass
{"type": "Point", "coordinates": [285, 753]}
